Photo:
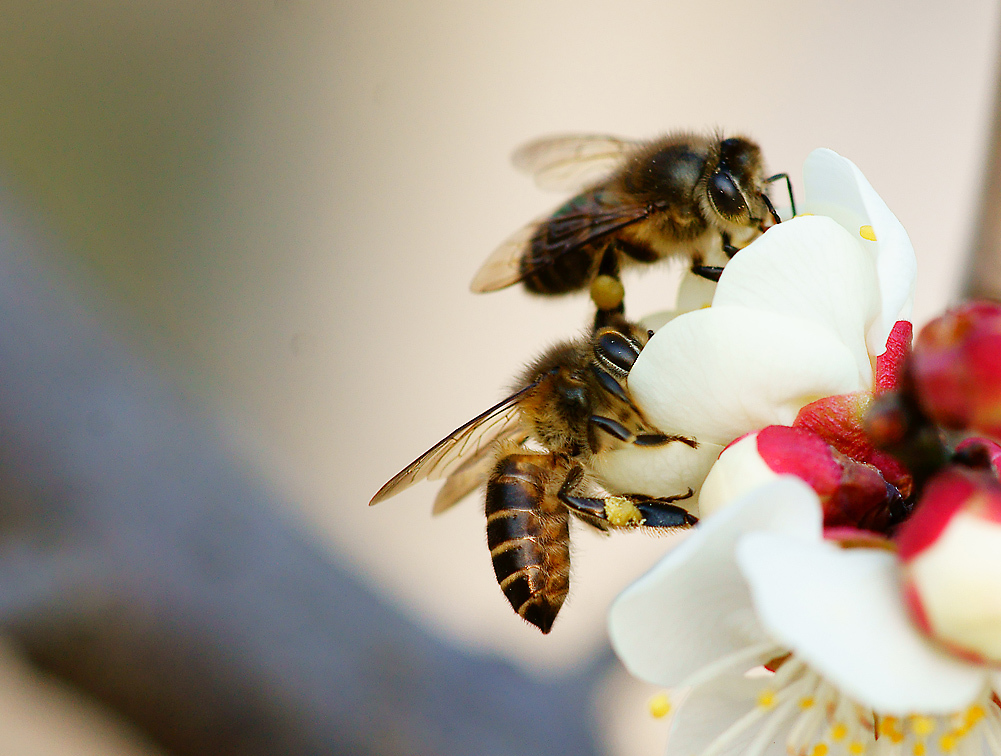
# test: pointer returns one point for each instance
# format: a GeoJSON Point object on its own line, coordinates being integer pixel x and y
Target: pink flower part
{"type": "Point", "coordinates": [984, 447]}
{"type": "Point", "coordinates": [839, 421]}
{"type": "Point", "coordinates": [944, 495]}
{"type": "Point", "coordinates": [957, 368]}
{"type": "Point", "coordinates": [898, 348]}
{"type": "Point", "coordinates": [852, 494]}
{"type": "Point", "coordinates": [801, 453]}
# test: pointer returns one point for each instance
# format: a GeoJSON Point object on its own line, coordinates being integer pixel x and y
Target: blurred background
{"type": "Point", "coordinates": [281, 204]}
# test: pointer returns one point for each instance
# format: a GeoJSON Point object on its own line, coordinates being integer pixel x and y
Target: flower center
{"type": "Point", "coordinates": [817, 719]}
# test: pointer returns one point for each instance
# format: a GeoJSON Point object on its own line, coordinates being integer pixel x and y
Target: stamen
{"type": "Point", "coordinates": [821, 721]}
{"type": "Point", "coordinates": [866, 232]}
{"type": "Point", "coordinates": [742, 660]}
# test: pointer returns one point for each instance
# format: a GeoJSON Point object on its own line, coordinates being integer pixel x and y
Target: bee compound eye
{"type": "Point", "coordinates": [617, 351]}
{"type": "Point", "coordinates": [726, 197]}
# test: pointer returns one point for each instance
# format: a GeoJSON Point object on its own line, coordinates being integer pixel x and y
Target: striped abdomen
{"type": "Point", "coordinates": [528, 533]}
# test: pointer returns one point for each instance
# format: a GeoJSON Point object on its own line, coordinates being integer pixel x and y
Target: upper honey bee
{"type": "Point", "coordinates": [571, 402]}
{"type": "Point", "coordinates": [680, 195]}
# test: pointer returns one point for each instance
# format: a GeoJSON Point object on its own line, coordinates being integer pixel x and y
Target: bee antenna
{"type": "Point", "coordinates": [792, 199]}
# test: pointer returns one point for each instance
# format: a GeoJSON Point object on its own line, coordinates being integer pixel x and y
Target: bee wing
{"type": "Point", "coordinates": [472, 440]}
{"type": "Point", "coordinates": [503, 267]}
{"type": "Point", "coordinates": [516, 258]}
{"type": "Point", "coordinates": [571, 162]}
{"type": "Point", "coordinates": [473, 472]}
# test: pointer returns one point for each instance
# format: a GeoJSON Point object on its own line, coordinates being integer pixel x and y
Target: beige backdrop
{"type": "Point", "coordinates": [284, 203]}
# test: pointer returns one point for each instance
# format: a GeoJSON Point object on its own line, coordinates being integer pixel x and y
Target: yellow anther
{"type": "Point", "coordinates": [887, 725]}
{"type": "Point", "coordinates": [947, 743]}
{"type": "Point", "coordinates": [973, 715]}
{"type": "Point", "coordinates": [806, 703]}
{"type": "Point", "coordinates": [838, 731]}
{"type": "Point", "coordinates": [890, 728]}
{"type": "Point", "coordinates": [819, 750]}
{"type": "Point", "coordinates": [866, 232]}
{"type": "Point", "coordinates": [919, 749]}
{"type": "Point", "coordinates": [766, 698]}
{"type": "Point", "coordinates": [857, 748]}
{"type": "Point", "coordinates": [660, 706]}
{"type": "Point", "coordinates": [922, 726]}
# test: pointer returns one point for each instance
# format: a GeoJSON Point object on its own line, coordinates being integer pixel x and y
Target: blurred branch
{"type": "Point", "coordinates": [141, 563]}
{"type": "Point", "coordinates": [984, 279]}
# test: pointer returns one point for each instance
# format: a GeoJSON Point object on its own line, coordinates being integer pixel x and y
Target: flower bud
{"type": "Point", "coordinates": [853, 495]}
{"type": "Point", "coordinates": [956, 368]}
{"type": "Point", "coordinates": [950, 550]}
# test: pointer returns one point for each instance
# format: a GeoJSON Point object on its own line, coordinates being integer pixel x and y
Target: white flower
{"type": "Point", "coordinates": [800, 314]}
{"type": "Point", "coordinates": [757, 584]}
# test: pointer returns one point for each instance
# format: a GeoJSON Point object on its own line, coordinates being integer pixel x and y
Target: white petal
{"type": "Point", "coordinates": [719, 373]}
{"type": "Point", "coordinates": [835, 187]}
{"type": "Point", "coordinates": [694, 608]}
{"type": "Point", "coordinates": [695, 292]}
{"type": "Point", "coordinates": [841, 611]}
{"type": "Point", "coordinates": [809, 268]}
{"type": "Point", "coordinates": [657, 470]}
{"type": "Point", "coordinates": [739, 469]}
{"type": "Point", "coordinates": [710, 709]}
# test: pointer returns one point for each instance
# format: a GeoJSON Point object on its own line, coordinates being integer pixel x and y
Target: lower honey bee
{"type": "Point", "coordinates": [572, 403]}
{"type": "Point", "coordinates": [680, 195]}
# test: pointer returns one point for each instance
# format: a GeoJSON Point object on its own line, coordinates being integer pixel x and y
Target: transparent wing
{"type": "Point", "coordinates": [473, 472]}
{"type": "Point", "coordinates": [571, 162]}
{"type": "Point", "coordinates": [543, 241]}
{"type": "Point", "coordinates": [503, 267]}
{"type": "Point", "coordinates": [469, 441]}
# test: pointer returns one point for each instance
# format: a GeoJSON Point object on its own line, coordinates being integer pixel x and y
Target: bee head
{"type": "Point", "coordinates": [733, 188]}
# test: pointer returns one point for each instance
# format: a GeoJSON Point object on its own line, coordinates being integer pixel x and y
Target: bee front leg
{"type": "Point", "coordinates": [728, 247]}
{"type": "Point", "coordinates": [625, 510]}
{"type": "Point", "coordinates": [709, 272]}
{"type": "Point", "coordinates": [713, 272]}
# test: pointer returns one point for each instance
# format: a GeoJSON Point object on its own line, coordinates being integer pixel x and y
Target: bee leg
{"type": "Point", "coordinates": [728, 247]}
{"type": "Point", "coordinates": [709, 272]}
{"type": "Point", "coordinates": [627, 510]}
{"type": "Point", "coordinates": [713, 272]}
{"type": "Point", "coordinates": [607, 292]}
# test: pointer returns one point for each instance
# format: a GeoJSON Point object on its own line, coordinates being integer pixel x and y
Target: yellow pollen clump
{"type": "Point", "coordinates": [857, 748]}
{"type": "Point", "coordinates": [607, 292]}
{"type": "Point", "coordinates": [919, 749]}
{"type": "Point", "coordinates": [839, 731]}
{"type": "Point", "coordinates": [766, 698]}
{"type": "Point", "coordinates": [819, 750]}
{"type": "Point", "coordinates": [922, 726]}
{"type": "Point", "coordinates": [866, 232]}
{"type": "Point", "coordinates": [660, 706]}
{"type": "Point", "coordinates": [621, 512]}
{"type": "Point", "coordinates": [806, 703]}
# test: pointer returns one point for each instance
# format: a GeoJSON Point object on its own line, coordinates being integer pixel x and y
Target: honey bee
{"type": "Point", "coordinates": [680, 195]}
{"type": "Point", "coordinates": [534, 451]}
